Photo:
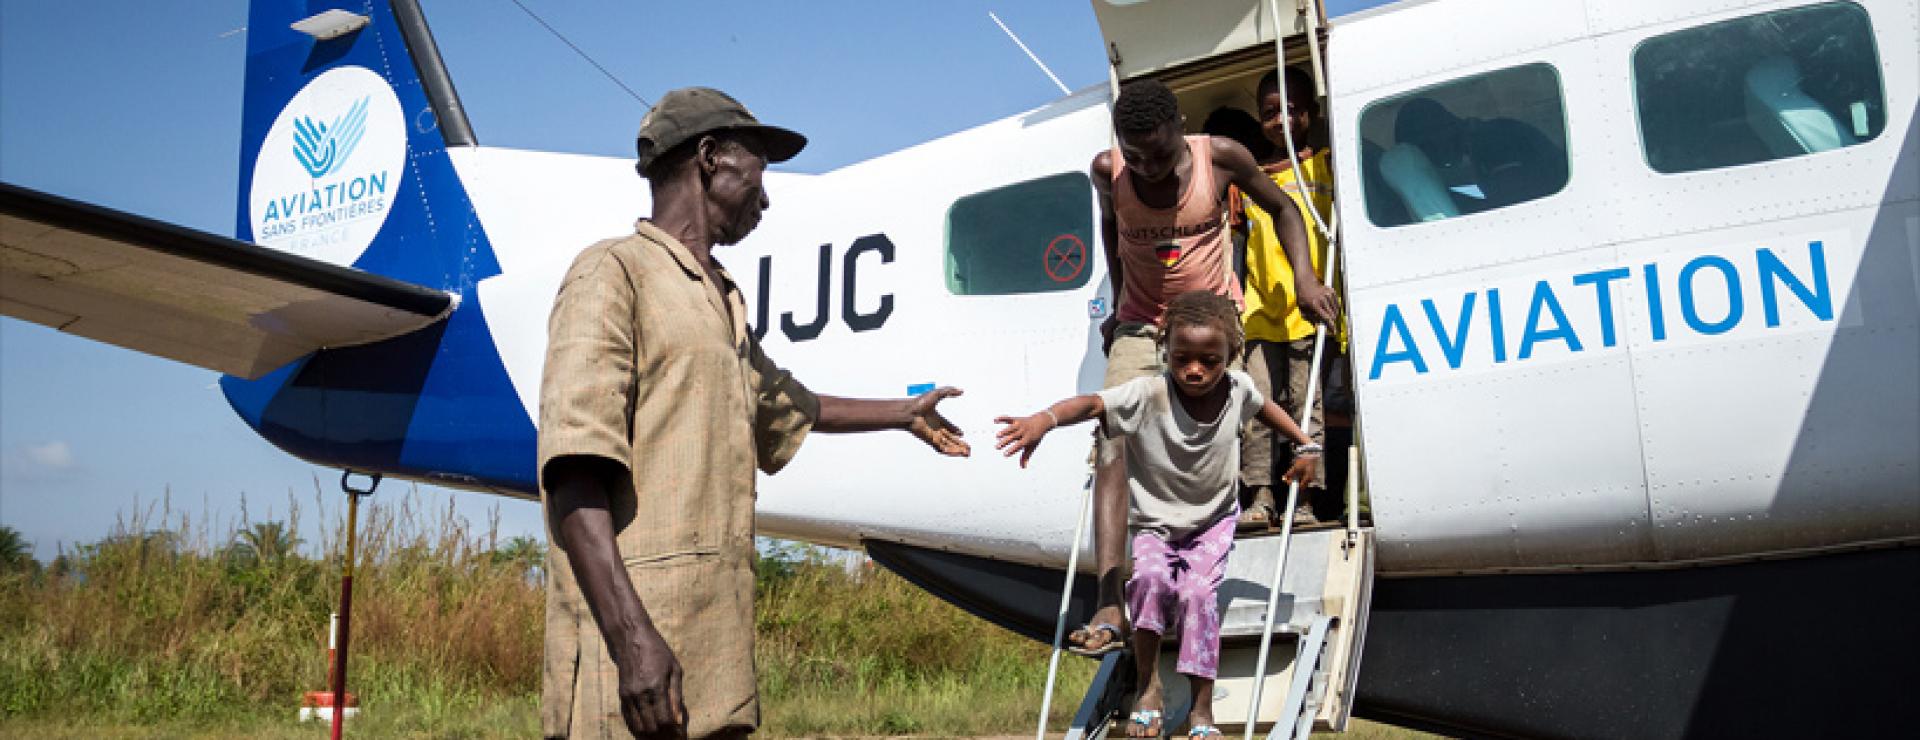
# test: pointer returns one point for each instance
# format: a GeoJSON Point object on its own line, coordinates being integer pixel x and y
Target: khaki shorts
{"type": "Point", "coordinates": [1280, 371]}
{"type": "Point", "coordinates": [1135, 353]}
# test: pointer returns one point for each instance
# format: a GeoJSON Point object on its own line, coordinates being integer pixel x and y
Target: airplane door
{"type": "Point", "coordinates": [1148, 36]}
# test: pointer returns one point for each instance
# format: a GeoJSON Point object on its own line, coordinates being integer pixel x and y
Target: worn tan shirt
{"type": "Point", "coordinates": [647, 367]}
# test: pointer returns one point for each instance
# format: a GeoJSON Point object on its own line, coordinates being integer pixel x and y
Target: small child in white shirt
{"type": "Point", "coordinates": [1182, 431]}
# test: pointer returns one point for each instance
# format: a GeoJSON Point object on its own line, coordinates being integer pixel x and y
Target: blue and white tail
{"type": "Point", "coordinates": [344, 159]}
{"type": "Point", "coordinates": [343, 154]}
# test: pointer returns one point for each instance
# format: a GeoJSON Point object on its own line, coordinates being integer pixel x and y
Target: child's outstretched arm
{"type": "Point", "coordinates": [1023, 434]}
{"type": "Point", "coordinates": [1306, 451]}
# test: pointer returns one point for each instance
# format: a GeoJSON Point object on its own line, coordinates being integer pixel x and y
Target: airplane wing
{"type": "Point", "coordinates": [187, 295]}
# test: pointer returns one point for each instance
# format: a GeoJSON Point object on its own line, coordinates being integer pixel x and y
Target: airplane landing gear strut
{"type": "Point", "coordinates": [339, 686]}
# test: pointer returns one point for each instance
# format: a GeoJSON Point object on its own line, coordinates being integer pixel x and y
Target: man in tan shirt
{"type": "Point", "coordinates": [655, 408]}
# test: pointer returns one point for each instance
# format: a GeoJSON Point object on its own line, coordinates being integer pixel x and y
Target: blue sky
{"type": "Point", "coordinates": [136, 106]}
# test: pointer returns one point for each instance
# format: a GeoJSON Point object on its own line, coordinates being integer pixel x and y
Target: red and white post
{"type": "Point", "coordinates": [320, 704]}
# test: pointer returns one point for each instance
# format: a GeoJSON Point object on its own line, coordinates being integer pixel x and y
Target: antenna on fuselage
{"type": "Point", "coordinates": [1030, 55]}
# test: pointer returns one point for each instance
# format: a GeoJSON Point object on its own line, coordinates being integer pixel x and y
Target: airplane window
{"type": "Point", "coordinates": [1029, 237]}
{"type": "Point", "coordinates": [1764, 87]}
{"type": "Point", "coordinates": [1463, 147]}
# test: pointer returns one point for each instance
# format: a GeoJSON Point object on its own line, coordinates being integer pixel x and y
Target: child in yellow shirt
{"type": "Point", "coordinates": [1279, 346]}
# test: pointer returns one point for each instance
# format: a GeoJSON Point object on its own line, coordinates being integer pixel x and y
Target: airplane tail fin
{"type": "Point", "coordinates": [347, 117]}
{"type": "Point", "coordinates": [344, 157]}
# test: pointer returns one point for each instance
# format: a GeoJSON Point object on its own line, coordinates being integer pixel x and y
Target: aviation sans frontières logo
{"type": "Point", "coordinates": [321, 148]}
{"type": "Point", "coordinates": [326, 175]}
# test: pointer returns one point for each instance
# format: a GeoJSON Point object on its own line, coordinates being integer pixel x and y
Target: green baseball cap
{"type": "Point", "coordinates": [684, 114]}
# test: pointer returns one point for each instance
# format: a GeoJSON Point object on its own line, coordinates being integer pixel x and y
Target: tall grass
{"type": "Point", "coordinates": [202, 630]}
{"type": "Point", "coordinates": [166, 622]}
{"type": "Point", "coordinates": [860, 651]}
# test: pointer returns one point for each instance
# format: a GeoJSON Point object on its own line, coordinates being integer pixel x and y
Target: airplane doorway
{"type": "Point", "coordinates": [1220, 96]}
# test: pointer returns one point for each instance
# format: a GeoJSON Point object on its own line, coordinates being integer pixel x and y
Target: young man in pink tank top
{"type": "Point", "coordinates": [1163, 221]}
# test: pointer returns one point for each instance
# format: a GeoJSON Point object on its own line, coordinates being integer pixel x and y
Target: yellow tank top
{"type": "Point", "coordinates": [1271, 313]}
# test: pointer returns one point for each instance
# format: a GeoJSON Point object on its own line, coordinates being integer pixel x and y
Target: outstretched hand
{"type": "Point", "coordinates": [1022, 435]}
{"type": "Point", "coordinates": [934, 429]}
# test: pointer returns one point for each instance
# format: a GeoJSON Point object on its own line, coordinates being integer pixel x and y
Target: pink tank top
{"type": "Point", "coordinates": [1168, 251]}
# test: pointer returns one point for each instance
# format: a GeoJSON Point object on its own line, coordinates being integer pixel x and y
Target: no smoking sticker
{"type": "Point", "coordinates": [1065, 259]}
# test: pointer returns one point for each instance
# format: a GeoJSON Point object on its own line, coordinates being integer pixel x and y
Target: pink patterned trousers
{"type": "Point", "coordinates": [1177, 585]}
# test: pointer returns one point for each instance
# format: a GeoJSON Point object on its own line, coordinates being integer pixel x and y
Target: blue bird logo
{"type": "Point", "coordinates": [322, 147]}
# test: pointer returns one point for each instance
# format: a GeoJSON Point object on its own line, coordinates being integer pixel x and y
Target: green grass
{"type": "Point", "coordinates": [166, 630]}
{"type": "Point", "coordinates": [864, 652]}
{"type": "Point", "coordinates": [519, 720]}
{"type": "Point", "coordinates": [174, 624]}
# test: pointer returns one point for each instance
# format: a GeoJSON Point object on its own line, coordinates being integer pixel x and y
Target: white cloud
{"type": "Point", "coordinates": [56, 455]}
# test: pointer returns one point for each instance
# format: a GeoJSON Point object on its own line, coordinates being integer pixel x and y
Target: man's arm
{"type": "Point", "coordinates": [650, 675]}
{"type": "Point", "coordinates": [1102, 175]}
{"type": "Point", "coordinates": [585, 439]}
{"type": "Point", "coordinates": [1314, 297]}
{"type": "Point", "coordinates": [918, 415]}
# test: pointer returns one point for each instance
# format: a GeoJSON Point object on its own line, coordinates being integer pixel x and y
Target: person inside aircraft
{"type": "Point", "coordinates": [1485, 164]}
{"type": "Point", "coordinates": [1162, 195]}
{"type": "Point", "coordinates": [1182, 430]}
{"type": "Point", "coordinates": [655, 408]}
{"type": "Point", "coordinates": [1279, 346]}
{"type": "Point", "coordinates": [1383, 204]}
{"type": "Point", "coordinates": [1241, 127]}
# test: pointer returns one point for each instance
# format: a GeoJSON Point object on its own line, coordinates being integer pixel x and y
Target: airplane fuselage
{"type": "Point", "coordinates": [1633, 314]}
{"type": "Point", "coordinates": [1641, 369]}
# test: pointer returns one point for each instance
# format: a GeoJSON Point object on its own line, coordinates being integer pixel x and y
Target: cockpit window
{"type": "Point", "coordinates": [1770, 86]}
{"type": "Point", "coordinates": [1029, 237]}
{"type": "Point", "coordinates": [1462, 147]}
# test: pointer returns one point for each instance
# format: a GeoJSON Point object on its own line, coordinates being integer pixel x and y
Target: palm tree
{"type": "Point", "coordinates": [524, 554]}
{"type": "Point", "coordinates": [266, 542]}
{"type": "Point", "coordinates": [15, 553]}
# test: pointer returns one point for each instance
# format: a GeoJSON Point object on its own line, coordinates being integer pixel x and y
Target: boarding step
{"type": "Point", "coordinates": [1313, 661]}
{"type": "Point", "coordinates": [1323, 574]}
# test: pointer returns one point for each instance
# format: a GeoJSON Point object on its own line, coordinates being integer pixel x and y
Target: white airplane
{"type": "Point", "coordinates": [1634, 291]}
